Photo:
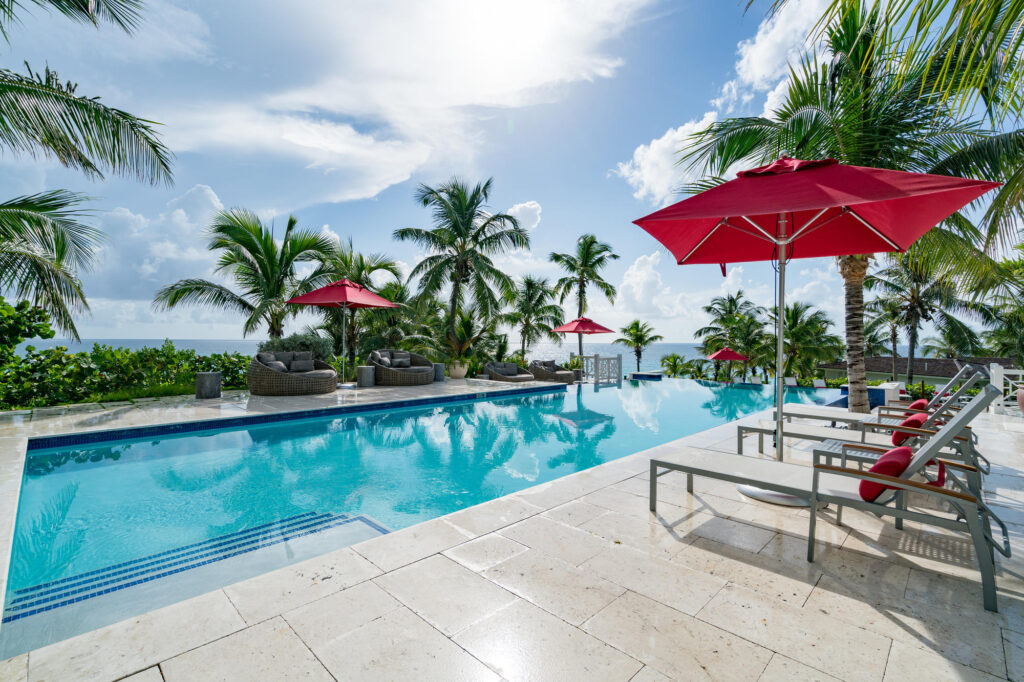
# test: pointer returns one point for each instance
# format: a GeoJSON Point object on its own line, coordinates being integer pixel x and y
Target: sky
{"type": "Point", "coordinates": [334, 112]}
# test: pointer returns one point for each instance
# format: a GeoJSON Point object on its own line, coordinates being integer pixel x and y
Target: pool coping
{"type": "Point", "coordinates": [150, 430]}
{"type": "Point", "coordinates": [13, 451]}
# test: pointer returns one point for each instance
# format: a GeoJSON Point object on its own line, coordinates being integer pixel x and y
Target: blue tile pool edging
{"type": "Point", "coordinates": [88, 437]}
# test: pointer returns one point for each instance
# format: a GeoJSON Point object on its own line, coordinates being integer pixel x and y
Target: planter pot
{"type": "Point", "coordinates": [1020, 399]}
{"type": "Point", "coordinates": [457, 370]}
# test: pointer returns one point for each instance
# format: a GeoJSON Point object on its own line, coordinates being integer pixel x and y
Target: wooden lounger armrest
{"type": "Point", "coordinates": [953, 464]}
{"type": "Point", "coordinates": [894, 481]}
{"type": "Point", "coordinates": [908, 429]}
{"type": "Point", "coordinates": [866, 448]}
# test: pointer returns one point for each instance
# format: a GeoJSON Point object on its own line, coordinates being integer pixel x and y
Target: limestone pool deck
{"type": "Point", "coordinates": [576, 580]}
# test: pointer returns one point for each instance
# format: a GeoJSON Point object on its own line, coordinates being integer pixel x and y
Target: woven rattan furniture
{"type": "Point", "coordinates": [507, 371]}
{"type": "Point", "coordinates": [419, 372]}
{"type": "Point", "coordinates": [263, 380]}
{"type": "Point", "coordinates": [548, 370]}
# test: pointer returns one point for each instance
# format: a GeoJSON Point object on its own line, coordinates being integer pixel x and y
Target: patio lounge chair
{"type": "Point", "coordinates": [961, 375]}
{"type": "Point", "coordinates": [549, 370]}
{"type": "Point", "coordinates": [755, 380]}
{"type": "Point", "coordinates": [818, 383]}
{"type": "Point", "coordinates": [278, 378]}
{"type": "Point", "coordinates": [400, 368]}
{"type": "Point", "coordinates": [824, 484]}
{"type": "Point", "coordinates": [507, 371]}
{"type": "Point", "coordinates": [790, 381]}
{"type": "Point", "coordinates": [737, 380]}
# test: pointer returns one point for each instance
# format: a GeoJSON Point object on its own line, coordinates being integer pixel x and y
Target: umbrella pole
{"type": "Point", "coordinates": [344, 338]}
{"type": "Point", "coordinates": [780, 347]}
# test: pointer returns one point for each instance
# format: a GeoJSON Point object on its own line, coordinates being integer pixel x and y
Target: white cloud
{"type": "Point", "coordinates": [652, 172]}
{"type": "Point", "coordinates": [527, 213]}
{"type": "Point", "coordinates": [775, 98]}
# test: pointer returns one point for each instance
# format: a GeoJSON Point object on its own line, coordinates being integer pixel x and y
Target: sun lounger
{"type": "Point", "coordinates": [835, 415]}
{"type": "Point", "coordinates": [825, 484]}
{"type": "Point", "coordinates": [737, 380]}
{"type": "Point", "coordinates": [755, 380]}
{"type": "Point", "coordinates": [819, 383]}
{"type": "Point", "coordinates": [961, 375]}
{"type": "Point", "coordinates": [790, 381]}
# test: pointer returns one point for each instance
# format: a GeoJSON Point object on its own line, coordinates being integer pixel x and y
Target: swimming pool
{"type": "Point", "coordinates": [110, 529]}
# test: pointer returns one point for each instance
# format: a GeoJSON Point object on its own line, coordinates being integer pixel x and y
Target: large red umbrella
{"type": "Point", "coordinates": [806, 209]}
{"type": "Point", "coordinates": [343, 294]}
{"type": "Point", "coordinates": [728, 354]}
{"type": "Point", "coordinates": [581, 326]}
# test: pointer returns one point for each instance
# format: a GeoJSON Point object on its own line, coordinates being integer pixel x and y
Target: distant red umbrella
{"type": "Point", "coordinates": [793, 208]}
{"type": "Point", "coordinates": [343, 294]}
{"type": "Point", "coordinates": [581, 326]}
{"type": "Point", "coordinates": [728, 354]}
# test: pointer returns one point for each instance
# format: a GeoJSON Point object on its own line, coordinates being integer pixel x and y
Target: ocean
{"type": "Point", "coordinates": [542, 351]}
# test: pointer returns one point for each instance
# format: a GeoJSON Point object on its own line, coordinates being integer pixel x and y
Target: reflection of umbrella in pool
{"type": "Point", "coordinates": [807, 209]}
{"type": "Point", "coordinates": [583, 419]}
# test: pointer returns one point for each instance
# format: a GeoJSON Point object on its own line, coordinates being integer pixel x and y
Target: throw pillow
{"type": "Point", "coordinates": [304, 355]}
{"type": "Point", "coordinates": [384, 361]}
{"type": "Point", "coordinates": [301, 366]}
{"type": "Point", "coordinates": [285, 356]}
{"type": "Point", "coordinates": [916, 405]}
{"type": "Point", "coordinates": [277, 366]}
{"type": "Point", "coordinates": [399, 362]}
{"type": "Point", "coordinates": [892, 463]}
{"type": "Point", "coordinates": [265, 358]}
{"type": "Point", "coordinates": [914, 421]}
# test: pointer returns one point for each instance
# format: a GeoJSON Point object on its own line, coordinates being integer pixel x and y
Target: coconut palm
{"type": "Point", "coordinates": [122, 13]}
{"type": "Point", "coordinates": [920, 295]}
{"type": "Point", "coordinates": [264, 271]}
{"type": "Point", "coordinates": [638, 336]}
{"type": "Point", "coordinates": [583, 269]}
{"type": "Point", "coordinates": [674, 364]}
{"type": "Point", "coordinates": [808, 341]}
{"type": "Point", "coordinates": [947, 345]}
{"type": "Point", "coordinates": [460, 245]}
{"type": "Point", "coordinates": [400, 327]}
{"type": "Point", "coordinates": [883, 317]}
{"type": "Point", "coordinates": [725, 312]}
{"type": "Point", "coordinates": [862, 105]}
{"type": "Point", "coordinates": [534, 313]}
{"type": "Point", "coordinates": [697, 368]}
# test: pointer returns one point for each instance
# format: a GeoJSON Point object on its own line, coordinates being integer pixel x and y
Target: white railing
{"type": "Point", "coordinates": [1008, 381]}
{"type": "Point", "coordinates": [601, 370]}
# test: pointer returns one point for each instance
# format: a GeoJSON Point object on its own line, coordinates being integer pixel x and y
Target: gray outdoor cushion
{"type": "Point", "coordinates": [265, 358]}
{"type": "Point", "coordinates": [419, 370]}
{"type": "Point", "coordinates": [383, 354]}
{"type": "Point", "coordinates": [549, 365]}
{"type": "Point", "coordinates": [304, 355]}
{"type": "Point", "coordinates": [508, 369]}
{"type": "Point", "coordinates": [285, 356]}
{"type": "Point", "coordinates": [301, 366]}
{"type": "Point", "coordinates": [277, 366]}
{"type": "Point", "coordinates": [401, 359]}
{"type": "Point", "coordinates": [384, 362]}
{"type": "Point", "coordinates": [317, 373]}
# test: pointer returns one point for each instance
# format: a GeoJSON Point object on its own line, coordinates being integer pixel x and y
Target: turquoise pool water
{"type": "Point", "coordinates": [95, 516]}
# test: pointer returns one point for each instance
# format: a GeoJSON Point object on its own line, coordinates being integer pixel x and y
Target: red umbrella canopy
{"type": "Point", "coordinates": [824, 207]}
{"type": "Point", "coordinates": [343, 294]}
{"type": "Point", "coordinates": [728, 354]}
{"type": "Point", "coordinates": [582, 325]}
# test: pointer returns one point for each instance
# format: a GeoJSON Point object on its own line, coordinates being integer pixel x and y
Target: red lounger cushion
{"type": "Point", "coordinates": [916, 405]}
{"type": "Point", "coordinates": [914, 421]}
{"type": "Point", "coordinates": [892, 463]}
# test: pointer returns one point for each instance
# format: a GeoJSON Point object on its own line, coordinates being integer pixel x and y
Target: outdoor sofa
{"type": "Point", "coordinates": [824, 484]}
{"type": "Point", "coordinates": [507, 371]}
{"type": "Point", "coordinates": [549, 370]}
{"type": "Point", "coordinates": [290, 373]}
{"type": "Point", "coordinates": [400, 368]}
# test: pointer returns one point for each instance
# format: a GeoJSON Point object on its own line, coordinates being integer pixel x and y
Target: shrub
{"type": "Point", "coordinates": [19, 322]}
{"type": "Point", "coordinates": [321, 348]}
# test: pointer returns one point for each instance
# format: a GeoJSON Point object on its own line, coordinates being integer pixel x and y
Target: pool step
{"type": "Point", "coordinates": [64, 591]}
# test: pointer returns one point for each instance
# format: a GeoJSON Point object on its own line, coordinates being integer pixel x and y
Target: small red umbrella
{"type": "Point", "coordinates": [793, 208]}
{"type": "Point", "coordinates": [581, 326]}
{"type": "Point", "coordinates": [343, 294]}
{"type": "Point", "coordinates": [728, 354]}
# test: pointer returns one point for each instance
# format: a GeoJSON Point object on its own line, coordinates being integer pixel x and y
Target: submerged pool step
{"type": "Point", "coordinates": [57, 593]}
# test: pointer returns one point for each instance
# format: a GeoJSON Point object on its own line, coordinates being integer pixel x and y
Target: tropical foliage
{"type": "Point", "coordinates": [533, 314]}
{"type": "Point", "coordinates": [583, 269]}
{"type": "Point", "coordinates": [637, 336]}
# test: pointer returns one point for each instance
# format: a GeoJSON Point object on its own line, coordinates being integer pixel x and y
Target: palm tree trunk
{"type": "Point", "coordinates": [892, 340]}
{"type": "Point", "coordinates": [581, 300]}
{"type": "Point", "coordinates": [522, 338]}
{"type": "Point", "coordinates": [853, 270]}
{"type": "Point", "coordinates": [638, 353]}
{"type": "Point", "coordinates": [452, 305]}
{"type": "Point", "coordinates": [911, 347]}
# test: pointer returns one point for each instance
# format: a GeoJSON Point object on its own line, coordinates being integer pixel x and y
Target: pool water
{"type": "Point", "coordinates": [96, 516]}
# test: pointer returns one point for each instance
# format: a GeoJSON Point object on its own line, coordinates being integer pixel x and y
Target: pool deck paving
{"type": "Point", "coordinates": [576, 580]}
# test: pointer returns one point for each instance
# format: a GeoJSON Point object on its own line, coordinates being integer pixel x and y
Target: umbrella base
{"type": "Point", "coordinates": [771, 497]}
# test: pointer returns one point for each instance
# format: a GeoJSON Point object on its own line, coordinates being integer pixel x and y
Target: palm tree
{"type": "Point", "coordinates": [808, 342]}
{"type": "Point", "coordinates": [725, 312]}
{"type": "Point", "coordinates": [533, 312]}
{"type": "Point", "coordinates": [674, 364]}
{"type": "Point", "coordinates": [464, 237]}
{"type": "Point", "coordinates": [263, 270]}
{"type": "Point", "coordinates": [347, 263]}
{"type": "Point", "coordinates": [863, 106]}
{"type": "Point", "coordinates": [582, 269]}
{"type": "Point", "coordinates": [122, 13]}
{"type": "Point", "coordinates": [919, 294]}
{"type": "Point", "coordinates": [638, 336]}
{"type": "Point", "coordinates": [401, 327]}
{"type": "Point", "coordinates": [883, 316]}
{"type": "Point", "coordinates": [946, 345]}
{"type": "Point", "coordinates": [697, 368]}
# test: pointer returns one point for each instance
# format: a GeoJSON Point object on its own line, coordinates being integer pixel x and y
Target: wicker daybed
{"type": "Point", "coordinates": [548, 370]}
{"type": "Point", "coordinates": [264, 380]}
{"type": "Point", "coordinates": [390, 368]}
{"type": "Point", "coordinates": [507, 371]}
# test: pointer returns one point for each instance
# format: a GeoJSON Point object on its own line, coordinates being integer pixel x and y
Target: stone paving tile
{"type": "Point", "coordinates": [907, 662]}
{"type": "Point", "coordinates": [147, 675]}
{"type": "Point", "coordinates": [444, 593]}
{"type": "Point", "coordinates": [267, 651]}
{"type": "Point", "coordinates": [647, 535]}
{"type": "Point", "coordinates": [485, 551]}
{"type": "Point", "coordinates": [491, 516]}
{"type": "Point", "coordinates": [562, 589]}
{"type": "Point", "coordinates": [400, 646]}
{"type": "Point", "coordinates": [411, 544]}
{"type": "Point", "coordinates": [271, 594]}
{"type": "Point", "coordinates": [676, 644]}
{"type": "Point", "coordinates": [574, 513]}
{"type": "Point", "coordinates": [324, 620]}
{"type": "Point", "coordinates": [782, 669]}
{"type": "Point", "coordinates": [133, 645]}
{"type": "Point", "coordinates": [14, 669]}
{"type": "Point", "coordinates": [563, 542]}
{"type": "Point", "coordinates": [649, 674]}
{"type": "Point", "coordinates": [523, 642]}
{"type": "Point", "coordinates": [1013, 649]}
{"type": "Point", "coordinates": [816, 639]}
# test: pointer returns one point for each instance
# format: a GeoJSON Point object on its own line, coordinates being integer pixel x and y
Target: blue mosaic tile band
{"type": "Point", "coordinates": [176, 567]}
{"type": "Point", "coordinates": [89, 437]}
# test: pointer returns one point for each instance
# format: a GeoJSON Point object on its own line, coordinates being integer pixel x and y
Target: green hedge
{"type": "Point", "coordinates": [57, 377]}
